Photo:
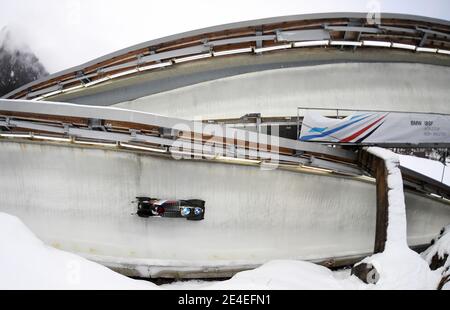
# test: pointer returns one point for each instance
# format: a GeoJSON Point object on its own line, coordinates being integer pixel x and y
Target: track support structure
{"type": "Point", "coordinates": [381, 175]}
{"type": "Point", "coordinates": [376, 167]}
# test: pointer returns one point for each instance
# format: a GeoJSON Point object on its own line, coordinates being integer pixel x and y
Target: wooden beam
{"type": "Point", "coordinates": [376, 167]}
{"type": "Point", "coordinates": [382, 220]}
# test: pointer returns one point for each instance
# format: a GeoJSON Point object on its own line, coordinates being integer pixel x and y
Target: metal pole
{"type": "Point", "coordinates": [443, 173]}
{"type": "Point", "coordinates": [444, 162]}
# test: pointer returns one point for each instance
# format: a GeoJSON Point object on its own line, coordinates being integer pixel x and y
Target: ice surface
{"type": "Point", "coordinates": [26, 263]}
{"type": "Point", "coordinates": [253, 216]}
{"type": "Point", "coordinates": [316, 216]}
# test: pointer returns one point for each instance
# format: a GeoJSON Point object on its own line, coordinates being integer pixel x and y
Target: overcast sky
{"type": "Point", "coordinates": [65, 33]}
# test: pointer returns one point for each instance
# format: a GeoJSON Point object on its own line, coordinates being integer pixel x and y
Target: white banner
{"type": "Point", "coordinates": [377, 127]}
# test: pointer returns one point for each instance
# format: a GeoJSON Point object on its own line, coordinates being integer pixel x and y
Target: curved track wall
{"type": "Point", "coordinates": [78, 199]}
{"type": "Point", "coordinates": [377, 86]}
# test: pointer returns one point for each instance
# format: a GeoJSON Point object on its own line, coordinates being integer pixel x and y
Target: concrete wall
{"type": "Point", "coordinates": [78, 199]}
{"type": "Point", "coordinates": [379, 86]}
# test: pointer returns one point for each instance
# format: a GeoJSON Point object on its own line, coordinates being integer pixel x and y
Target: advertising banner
{"type": "Point", "coordinates": [377, 128]}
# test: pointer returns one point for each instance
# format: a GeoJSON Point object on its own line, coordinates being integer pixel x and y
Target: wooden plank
{"type": "Point", "coordinates": [45, 118]}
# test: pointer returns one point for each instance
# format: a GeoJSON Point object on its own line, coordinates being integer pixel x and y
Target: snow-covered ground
{"type": "Point", "coordinates": [27, 263]}
{"type": "Point", "coordinates": [431, 168]}
{"type": "Point", "coordinates": [441, 249]}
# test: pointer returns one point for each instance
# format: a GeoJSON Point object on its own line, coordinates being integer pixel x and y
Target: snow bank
{"type": "Point", "coordinates": [396, 232]}
{"type": "Point", "coordinates": [401, 268]}
{"type": "Point", "coordinates": [289, 275]}
{"type": "Point", "coordinates": [26, 263]}
{"type": "Point", "coordinates": [440, 246]}
{"type": "Point", "coordinates": [440, 249]}
{"type": "Point", "coordinates": [446, 287]}
{"type": "Point", "coordinates": [398, 266]}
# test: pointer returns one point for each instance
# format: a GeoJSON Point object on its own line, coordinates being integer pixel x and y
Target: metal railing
{"type": "Point", "coordinates": [245, 37]}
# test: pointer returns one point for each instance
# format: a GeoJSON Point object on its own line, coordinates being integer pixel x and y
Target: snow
{"type": "Point", "coordinates": [289, 275]}
{"type": "Point", "coordinates": [401, 268]}
{"type": "Point", "coordinates": [27, 263]}
{"type": "Point", "coordinates": [398, 266]}
{"type": "Point", "coordinates": [396, 232]}
{"type": "Point", "coordinates": [441, 248]}
{"type": "Point", "coordinates": [430, 168]}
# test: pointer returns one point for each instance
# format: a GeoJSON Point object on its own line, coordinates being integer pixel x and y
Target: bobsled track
{"type": "Point", "coordinates": [79, 199]}
{"type": "Point", "coordinates": [269, 66]}
{"type": "Point", "coordinates": [71, 171]}
{"type": "Point", "coordinates": [74, 189]}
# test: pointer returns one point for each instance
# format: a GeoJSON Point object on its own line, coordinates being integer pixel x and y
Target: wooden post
{"type": "Point", "coordinates": [381, 175]}
{"type": "Point", "coordinates": [377, 168]}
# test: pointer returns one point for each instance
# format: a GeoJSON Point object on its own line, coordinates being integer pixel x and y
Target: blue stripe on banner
{"type": "Point", "coordinates": [329, 132]}
{"type": "Point", "coordinates": [317, 129]}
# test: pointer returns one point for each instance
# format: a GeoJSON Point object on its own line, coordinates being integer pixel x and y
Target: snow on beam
{"type": "Point", "coordinates": [392, 194]}
{"type": "Point", "coordinates": [397, 265]}
{"type": "Point", "coordinates": [385, 171]}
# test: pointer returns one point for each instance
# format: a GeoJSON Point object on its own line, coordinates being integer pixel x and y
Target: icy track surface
{"type": "Point", "coordinates": [26, 263]}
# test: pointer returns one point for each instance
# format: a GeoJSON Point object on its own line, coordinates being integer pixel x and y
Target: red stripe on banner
{"type": "Point", "coordinates": [358, 133]}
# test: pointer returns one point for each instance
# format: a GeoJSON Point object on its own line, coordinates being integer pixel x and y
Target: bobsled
{"type": "Point", "coordinates": [192, 209]}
